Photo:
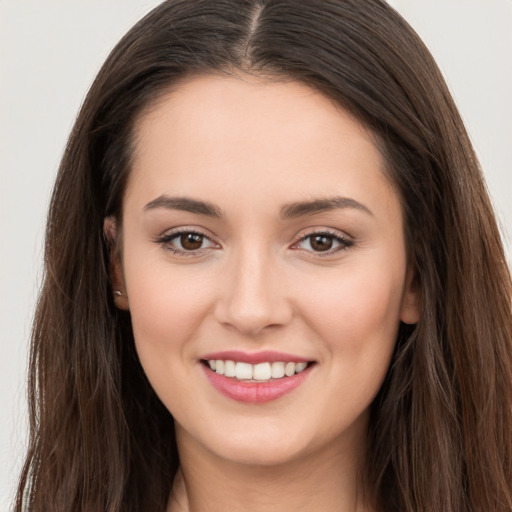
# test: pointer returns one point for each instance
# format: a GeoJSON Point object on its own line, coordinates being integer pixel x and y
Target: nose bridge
{"type": "Point", "coordinates": [253, 297]}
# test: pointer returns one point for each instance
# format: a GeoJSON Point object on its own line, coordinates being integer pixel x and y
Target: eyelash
{"type": "Point", "coordinates": [344, 243]}
{"type": "Point", "coordinates": [165, 241]}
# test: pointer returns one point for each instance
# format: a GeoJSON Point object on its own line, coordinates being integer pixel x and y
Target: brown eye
{"type": "Point", "coordinates": [324, 243]}
{"type": "Point", "coordinates": [321, 242]}
{"type": "Point", "coordinates": [191, 241]}
{"type": "Point", "coordinates": [186, 243]}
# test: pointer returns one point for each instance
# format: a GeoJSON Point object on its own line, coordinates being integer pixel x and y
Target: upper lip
{"type": "Point", "coordinates": [255, 357]}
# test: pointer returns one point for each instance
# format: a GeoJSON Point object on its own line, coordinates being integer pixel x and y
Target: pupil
{"type": "Point", "coordinates": [191, 241]}
{"type": "Point", "coordinates": [321, 243]}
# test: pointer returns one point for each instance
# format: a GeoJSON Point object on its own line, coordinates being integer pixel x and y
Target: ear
{"type": "Point", "coordinates": [410, 312]}
{"type": "Point", "coordinates": [116, 268]}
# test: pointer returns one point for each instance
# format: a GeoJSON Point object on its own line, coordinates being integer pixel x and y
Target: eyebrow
{"type": "Point", "coordinates": [303, 208]}
{"type": "Point", "coordinates": [185, 204]}
{"type": "Point", "coordinates": [288, 211]}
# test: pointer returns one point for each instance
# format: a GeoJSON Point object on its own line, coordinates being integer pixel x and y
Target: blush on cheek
{"type": "Point", "coordinates": [357, 304]}
{"type": "Point", "coordinates": [167, 308]}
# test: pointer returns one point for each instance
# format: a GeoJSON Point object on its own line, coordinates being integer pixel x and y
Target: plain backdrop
{"type": "Point", "coordinates": [50, 51]}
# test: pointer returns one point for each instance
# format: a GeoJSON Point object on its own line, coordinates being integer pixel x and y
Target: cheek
{"type": "Point", "coordinates": [357, 322]}
{"type": "Point", "coordinates": [166, 307]}
{"type": "Point", "coordinates": [357, 298]}
{"type": "Point", "coordinates": [357, 314]}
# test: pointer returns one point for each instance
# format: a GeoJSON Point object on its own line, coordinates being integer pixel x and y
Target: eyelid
{"type": "Point", "coordinates": [165, 239]}
{"type": "Point", "coordinates": [343, 239]}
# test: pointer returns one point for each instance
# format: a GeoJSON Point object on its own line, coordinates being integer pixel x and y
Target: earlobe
{"type": "Point", "coordinates": [121, 300]}
{"type": "Point", "coordinates": [116, 269]}
{"type": "Point", "coordinates": [410, 312]}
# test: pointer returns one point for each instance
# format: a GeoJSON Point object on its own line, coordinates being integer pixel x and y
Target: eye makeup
{"type": "Point", "coordinates": [187, 241]}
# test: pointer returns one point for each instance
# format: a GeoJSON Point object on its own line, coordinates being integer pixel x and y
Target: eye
{"type": "Point", "coordinates": [190, 241]}
{"type": "Point", "coordinates": [323, 242]}
{"type": "Point", "coordinates": [185, 241]}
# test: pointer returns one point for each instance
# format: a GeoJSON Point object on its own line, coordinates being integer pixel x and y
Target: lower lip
{"type": "Point", "coordinates": [255, 392]}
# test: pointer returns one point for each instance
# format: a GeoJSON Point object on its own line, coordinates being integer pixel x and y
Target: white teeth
{"type": "Point", "coordinates": [261, 371]}
{"type": "Point", "coordinates": [277, 370]}
{"type": "Point", "coordinates": [300, 367]}
{"type": "Point", "coordinates": [289, 369]}
{"type": "Point", "coordinates": [257, 372]}
{"type": "Point", "coordinates": [229, 369]}
{"type": "Point", "coordinates": [243, 371]}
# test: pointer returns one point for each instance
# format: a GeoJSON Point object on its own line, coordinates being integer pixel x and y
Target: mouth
{"type": "Point", "coordinates": [258, 381]}
{"type": "Point", "coordinates": [261, 372]}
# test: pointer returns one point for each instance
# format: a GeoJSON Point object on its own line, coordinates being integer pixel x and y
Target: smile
{"type": "Point", "coordinates": [261, 372]}
{"type": "Point", "coordinates": [255, 378]}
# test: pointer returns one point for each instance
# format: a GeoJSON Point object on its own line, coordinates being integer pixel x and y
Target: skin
{"type": "Point", "coordinates": [249, 148]}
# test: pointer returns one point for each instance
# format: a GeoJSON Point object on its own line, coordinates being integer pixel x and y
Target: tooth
{"type": "Point", "coordinates": [243, 371]}
{"type": "Point", "coordinates": [211, 362]}
{"type": "Point", "coordinates": [261, 371]}
{"type": "Point", "coordinates": [229, 368]}
{"type": "Point", "coordinates": [289, 369]}
{"type": "Point", "coordinates": [219, 366]}
{"type": "Point", "coordinates": [300, 367]}
{"type": "Point", "coordinates": [277, 371]}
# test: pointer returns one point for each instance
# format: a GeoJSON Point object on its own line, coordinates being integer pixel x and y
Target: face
{"type": "Point", "coordinates": [261, 237]}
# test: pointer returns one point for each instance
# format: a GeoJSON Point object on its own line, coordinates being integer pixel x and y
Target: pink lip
{"type": "Point", "coordinates": [255, 392]}
{"type": "Point", "coordinates": [255, 357]}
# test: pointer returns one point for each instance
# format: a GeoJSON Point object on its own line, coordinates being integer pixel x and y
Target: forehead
{"type": "Point", "coordinates": [241, 135]}
{"type": "Point", "coordinates": [261, 106]}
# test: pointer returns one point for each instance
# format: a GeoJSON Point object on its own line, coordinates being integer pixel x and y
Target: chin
{"type": "Point", "coordinates": [271, 454]}
{"type": "Point", "coordinates": [271, 447]}
{"type": "Point", "coordinates": [256, 445]}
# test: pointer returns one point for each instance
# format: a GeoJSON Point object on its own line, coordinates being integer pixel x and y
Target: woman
{"type": "Point", "coordinates": [273, 277]}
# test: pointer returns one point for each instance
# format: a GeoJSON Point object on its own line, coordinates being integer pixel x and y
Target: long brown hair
{"type": "Point", "coordinates": [440, 436]}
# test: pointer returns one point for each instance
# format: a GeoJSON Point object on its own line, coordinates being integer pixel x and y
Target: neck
{"type": "Point", "coordinates": [326, 480]}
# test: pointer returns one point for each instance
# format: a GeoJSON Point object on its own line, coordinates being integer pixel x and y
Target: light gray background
{"type": "Point", "coordinates": [50, 51]}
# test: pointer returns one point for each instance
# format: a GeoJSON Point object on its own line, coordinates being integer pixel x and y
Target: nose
{"type": "Point", "coordinates": [253, 296]}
